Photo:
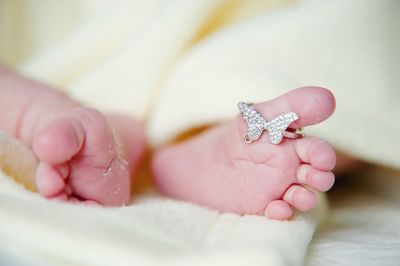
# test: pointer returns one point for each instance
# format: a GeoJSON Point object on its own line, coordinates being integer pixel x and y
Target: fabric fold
{"type": "Point", "coordinates": [263, 57]}
{"type": "Point", "coordinates": [175, 67]}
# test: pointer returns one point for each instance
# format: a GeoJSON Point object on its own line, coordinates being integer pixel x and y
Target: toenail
{"type": "Point", "coordinates": [324, 181]}
{"type": "Point", "coordinates": [288, 197]}
{"type": "Point", "coordinates": [302, 174]}
{"type": "Point", "coordinates": [305, 200]}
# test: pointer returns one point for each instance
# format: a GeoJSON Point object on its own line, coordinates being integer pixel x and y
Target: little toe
{"type": "Point", "coordinates": [300, 198]}
{"type": "Point", "coordinates": [317, 179]}
{"type": "Point", "coordinates": [316, 152]}
{"type": "Point", "coordinates": [48, 180]}
{"type": "Point", "coordinates": [59, 140]}
{"type": "Point", "coordinates": [278, 210]}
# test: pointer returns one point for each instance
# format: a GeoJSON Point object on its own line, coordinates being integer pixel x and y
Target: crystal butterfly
{"type": "Point", "coordinates": [256, 124]}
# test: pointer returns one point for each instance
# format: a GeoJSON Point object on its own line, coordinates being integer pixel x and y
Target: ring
{"type": "Point", "coordinates": [277, 128]}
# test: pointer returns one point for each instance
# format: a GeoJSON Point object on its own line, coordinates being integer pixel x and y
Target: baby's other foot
{"type": "Point", "coordinates": [218, 169]}
{"type": "Point", "coordinates": [86, 156]}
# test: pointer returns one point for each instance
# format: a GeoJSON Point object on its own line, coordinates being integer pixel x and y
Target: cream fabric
{"type": "Point", "coordinates": [347, 46]}
{"type": "Point", "coordinates": [183, 63]}
{"type": "Point", "coordinates": [151, 231]}
{"type": "Point", "coordinates": [363, 228]}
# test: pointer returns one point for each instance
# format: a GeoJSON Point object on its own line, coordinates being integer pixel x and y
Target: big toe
{"type": "Point", "coordinates": [312, 104]}
{"type": "Point", "coordinates": [59, 140]}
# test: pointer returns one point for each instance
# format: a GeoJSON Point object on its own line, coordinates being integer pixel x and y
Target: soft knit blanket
{"type": "Point", "coordinates": [179, 64]}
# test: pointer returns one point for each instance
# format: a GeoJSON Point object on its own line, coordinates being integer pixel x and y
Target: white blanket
{"type": "Point", "coordinates": [179, 64]}
{"type": "Point", "coordinates": [363, 226]}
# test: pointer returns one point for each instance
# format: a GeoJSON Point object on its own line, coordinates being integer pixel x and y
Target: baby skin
{"type": "Point", "coordinates": [220, 170]}
{"type": "Point", "coordinates": [85, 155]}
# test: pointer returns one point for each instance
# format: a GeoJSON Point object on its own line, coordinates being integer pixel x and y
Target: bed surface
{"type": "Point", "coordinates": [363, 227]}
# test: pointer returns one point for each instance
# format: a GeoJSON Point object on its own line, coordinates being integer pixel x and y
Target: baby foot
{"type": "Point", "coordinates": [84, 155]}
{"type": "Point", "coordinates": [218, 169]}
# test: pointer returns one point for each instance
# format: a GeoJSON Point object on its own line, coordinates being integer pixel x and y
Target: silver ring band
{"type": "Point", "coordinates": [277, 128]}
{"type": "Point", "coordinates": [293, 134]}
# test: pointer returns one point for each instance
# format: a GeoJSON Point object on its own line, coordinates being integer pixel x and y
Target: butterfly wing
{"type": "Point", "coordinates": [255, 122]}
{"type": "Point", "coordinates": [278, 125]}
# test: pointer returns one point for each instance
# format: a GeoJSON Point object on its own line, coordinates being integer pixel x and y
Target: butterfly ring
{"type": "Point", "coordinates": [277, 128]}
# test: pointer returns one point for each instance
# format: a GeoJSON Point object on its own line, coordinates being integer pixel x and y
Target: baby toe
{"type": "Point", "coordinates": [316, 152]}
{"type": "Point", "coordinates": [317, 179]}
{"type": "Point", "coordinates": [278, 210]}
{"type": "Point", "coordinates": [300, 198]}
{"type": "Point", "coordinates": [48, 180]}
